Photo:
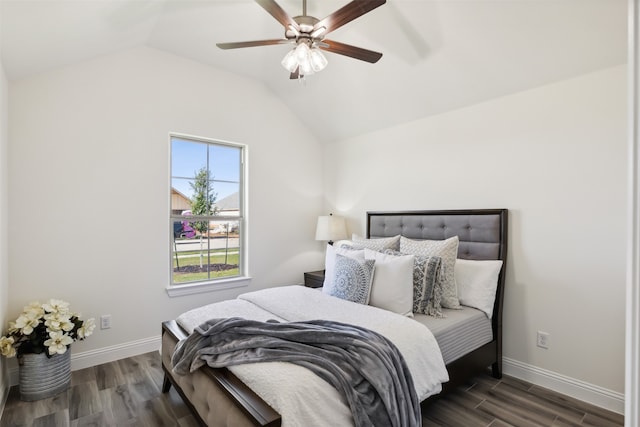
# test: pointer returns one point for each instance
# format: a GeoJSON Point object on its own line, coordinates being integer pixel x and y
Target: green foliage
{"type": "Point", "coordinates": [203, 198]}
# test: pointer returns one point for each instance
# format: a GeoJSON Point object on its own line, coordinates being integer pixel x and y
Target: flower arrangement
{"type": "Point", "coordinates": [50, 326]}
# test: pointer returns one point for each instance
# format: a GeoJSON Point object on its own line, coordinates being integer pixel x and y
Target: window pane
{"type": "Point", "coordinates": [228, 198]}
{"type": "Point", "coordinates": [181, 194]}
{"type": "Point", "coordinates": [187, 157]}
{"type": "Point", "coordinates": [224, 163]}
{"type": "Point", "coordinates": [206, 182]}
{"type": "Point", "coordinates": [204, 256]}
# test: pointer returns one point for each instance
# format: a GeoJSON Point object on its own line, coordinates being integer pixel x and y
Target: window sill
{"type": "Point", "coordinates": [200, 288]}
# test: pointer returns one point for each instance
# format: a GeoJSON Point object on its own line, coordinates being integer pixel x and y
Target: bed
{"type": "Point", "coordinates": [218, 397]}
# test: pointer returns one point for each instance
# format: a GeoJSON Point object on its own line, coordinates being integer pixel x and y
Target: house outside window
{"type": "Point", "coordinates": [207, 215]}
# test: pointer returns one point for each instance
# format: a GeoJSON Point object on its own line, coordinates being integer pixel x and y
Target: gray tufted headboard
{"type": "Point", "coordinates": [482, 232]}
{"type": "Point", "coordinates": [483, 236]}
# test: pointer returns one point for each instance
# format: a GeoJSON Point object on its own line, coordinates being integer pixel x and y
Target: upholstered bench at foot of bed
{"type": "Point", "coordinates": [207, 391]}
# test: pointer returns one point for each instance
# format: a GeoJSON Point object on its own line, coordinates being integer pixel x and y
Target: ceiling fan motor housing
{"type": "Point", "coordinates": [306, 30]}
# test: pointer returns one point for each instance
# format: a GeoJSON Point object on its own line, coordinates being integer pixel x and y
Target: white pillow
{"type": "Point", "coordinates": [392, 287]}
{"type": "Point", "coordinates": [477, 282]}
{"type": "Point", "coordinates": [330, 264]}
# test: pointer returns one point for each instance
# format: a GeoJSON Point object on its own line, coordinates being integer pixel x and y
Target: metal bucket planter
{"type": "Point", "coordinates": [42, 376]}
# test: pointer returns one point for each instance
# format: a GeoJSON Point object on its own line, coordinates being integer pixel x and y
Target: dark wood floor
{"type": "Point", "coordinates": [487, 401]}
{"type": "Point", "coordinates": [127, 393]}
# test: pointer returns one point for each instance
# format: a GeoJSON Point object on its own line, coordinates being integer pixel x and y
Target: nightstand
{"type": "Point", "coordinates": [314, 279]}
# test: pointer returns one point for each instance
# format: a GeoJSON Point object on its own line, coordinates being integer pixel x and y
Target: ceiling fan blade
{"type": "Point", "coordinates": [347, 14]}
{"type": "Point", "coordinates": [237, 45]}
{"type": "Point", "coordinates": [277, 12]}
{"type": "Point", "coordinates": [352, 51]}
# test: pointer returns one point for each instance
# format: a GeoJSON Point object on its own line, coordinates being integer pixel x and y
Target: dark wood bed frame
{"type": "Point", "coordinates": [482, 234]}
{"type": "Point", "coordinates": [461, 223]}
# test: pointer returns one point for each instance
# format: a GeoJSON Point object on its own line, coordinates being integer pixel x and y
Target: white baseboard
{"type": "Point", "coordinates": [596, 395]}
{"type": "Point", "coordinates": [99, 356]}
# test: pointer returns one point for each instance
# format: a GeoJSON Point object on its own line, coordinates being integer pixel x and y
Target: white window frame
{"type": "Point", "coordinates": [178, 289]}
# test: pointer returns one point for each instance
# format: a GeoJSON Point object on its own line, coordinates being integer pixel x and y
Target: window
{"type": "Point", "coordinates": [207, 214]}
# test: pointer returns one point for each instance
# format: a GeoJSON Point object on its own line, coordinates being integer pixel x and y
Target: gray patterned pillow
{"type": "Point", "coordinates": [352, 279]}
{"type": "Point", "coordinates": [427, 286]}
{"type": "Point", "coordinates": [377, 244]}
{"type": "Point", "coordinates": [448, 251]}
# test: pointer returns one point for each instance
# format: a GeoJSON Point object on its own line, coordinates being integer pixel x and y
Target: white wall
{"type": "Point", "coordinates": [4, 221]}
{"type": "Point", "coordinates": [555, 157]}
{"type": "Point", "coordinates": [88, 185]}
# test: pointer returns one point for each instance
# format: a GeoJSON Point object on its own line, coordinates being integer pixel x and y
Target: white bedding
{"type": "Point", "coordinates": [300, 396]}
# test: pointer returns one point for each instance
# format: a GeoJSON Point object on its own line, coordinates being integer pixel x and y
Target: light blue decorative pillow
{"type": "Point", "coordinates": [352, 279]}
{"type": "Point", "coordinates": [330, 262]}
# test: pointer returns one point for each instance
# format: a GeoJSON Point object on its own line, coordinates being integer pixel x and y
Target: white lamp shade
{"type": "Point", "coordinates": [331, 228]}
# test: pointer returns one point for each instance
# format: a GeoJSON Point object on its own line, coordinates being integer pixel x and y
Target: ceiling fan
{"type": "Point", "coordinates": [308, 34]}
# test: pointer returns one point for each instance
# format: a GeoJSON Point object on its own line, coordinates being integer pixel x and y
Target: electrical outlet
{"type": "Point", "coordinates": [543, 339]}
{"type": "Point", "coordinates": [105, 321]}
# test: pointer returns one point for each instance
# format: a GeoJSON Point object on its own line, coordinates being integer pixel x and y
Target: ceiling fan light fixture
{"type": "Point", "coordinates": [317, 59]}
{"type": "Point", "coordinates": [290, 62]}
{"type": "Point", "coordinates": [302, 52]}
{"type": "Point", "coordinates": [306, 69]}
{"type": "Point", "coordinates": [307, 60]}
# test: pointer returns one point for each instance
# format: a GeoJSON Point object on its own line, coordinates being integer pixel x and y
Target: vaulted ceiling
{"type": "Point", "coordinates": [439, 55]}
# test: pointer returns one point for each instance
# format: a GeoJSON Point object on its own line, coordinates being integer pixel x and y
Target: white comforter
{"type": "Point", "coordinates": [300, 396]}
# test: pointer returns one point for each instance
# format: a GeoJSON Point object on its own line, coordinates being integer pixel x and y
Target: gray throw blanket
{"type": "Point", "coordinates": [363, 365]}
